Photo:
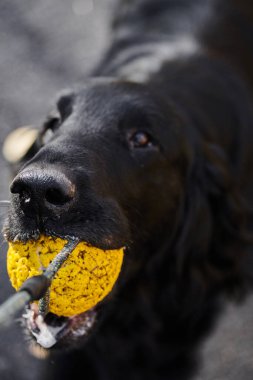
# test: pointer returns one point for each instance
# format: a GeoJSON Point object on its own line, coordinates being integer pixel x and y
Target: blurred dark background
{"type": "Point", "coordinates": [46, 46]}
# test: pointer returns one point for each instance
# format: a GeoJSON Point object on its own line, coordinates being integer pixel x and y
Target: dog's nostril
{"type": "Point", "coordinates": [25, 195]}
{"type": "Point", "coordinates": [57, 197]}
{"type": "Point", "coordinates": [23, 191]}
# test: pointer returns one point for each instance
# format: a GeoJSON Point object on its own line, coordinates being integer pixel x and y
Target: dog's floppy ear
{"type": "Point", "coordinates": [214, 241]}
{"type": "Point", "coordinates": [20, 145]}
{"type": "Point", "coordinates": [24, 142]}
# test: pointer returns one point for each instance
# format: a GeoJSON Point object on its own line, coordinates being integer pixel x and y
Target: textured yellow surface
{"type": "Point", "coordinates": [86, 277]}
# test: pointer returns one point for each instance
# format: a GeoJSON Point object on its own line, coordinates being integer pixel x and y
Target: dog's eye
{"type": "Point", "coordinates": [140, 139]}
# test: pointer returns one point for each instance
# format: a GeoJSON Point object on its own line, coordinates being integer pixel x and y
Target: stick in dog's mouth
{"type": "Point", "coordinates": [35, 287]}
{"type": "Point", "coordinates": [75, 280]}
{"type": "Point", "coordinates": [46, 334]}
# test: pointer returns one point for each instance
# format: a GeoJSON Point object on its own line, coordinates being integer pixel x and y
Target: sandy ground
{"type": "Point", "coordinates": [46, 46]}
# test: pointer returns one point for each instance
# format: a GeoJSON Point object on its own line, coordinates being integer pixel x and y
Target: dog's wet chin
{"type": "Point", "coordinates": [52, 332]}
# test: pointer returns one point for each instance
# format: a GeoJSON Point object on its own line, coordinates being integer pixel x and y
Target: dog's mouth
{"type": "Point", "coordinates": [50, 331]}
{"type": "Point", "coordinates": [87, 278]}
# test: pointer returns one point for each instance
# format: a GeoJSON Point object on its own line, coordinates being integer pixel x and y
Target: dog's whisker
{"type": "Point", "coordinates": [4, 207]}
{"type": "Point", "coordinates": [5, 203]}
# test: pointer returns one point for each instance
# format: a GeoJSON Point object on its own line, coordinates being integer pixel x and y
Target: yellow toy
{"type": "Point", "coordinates": [85, 278]}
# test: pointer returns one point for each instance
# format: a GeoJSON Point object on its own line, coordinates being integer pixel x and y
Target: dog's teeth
{"type": "Point", "coordinates": [44, 334]}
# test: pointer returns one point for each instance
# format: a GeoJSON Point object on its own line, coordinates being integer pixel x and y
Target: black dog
{"type": "Point", "coordinates": [156, 155]}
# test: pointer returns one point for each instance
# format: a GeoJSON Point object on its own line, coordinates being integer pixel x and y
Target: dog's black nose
{"type": "Point", "coordinates": [42, 190]}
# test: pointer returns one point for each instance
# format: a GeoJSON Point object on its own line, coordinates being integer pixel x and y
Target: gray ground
{"type": "Point", "coordinates": [46, 46]}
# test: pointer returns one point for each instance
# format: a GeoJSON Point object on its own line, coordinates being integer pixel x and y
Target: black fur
{"type": "Point", "coordinates": [181, 203]}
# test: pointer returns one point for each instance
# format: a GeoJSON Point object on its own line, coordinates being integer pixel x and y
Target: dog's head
{"type": "Point", "coordinates": [116, 166]}
{"type": "Point", "coordinates": [105, 157]}
{"type": "Point", "coordinates": [109, 170]}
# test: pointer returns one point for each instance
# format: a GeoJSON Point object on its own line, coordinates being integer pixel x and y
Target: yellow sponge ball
{"type": "Point", "coordinates": [85, 278]}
